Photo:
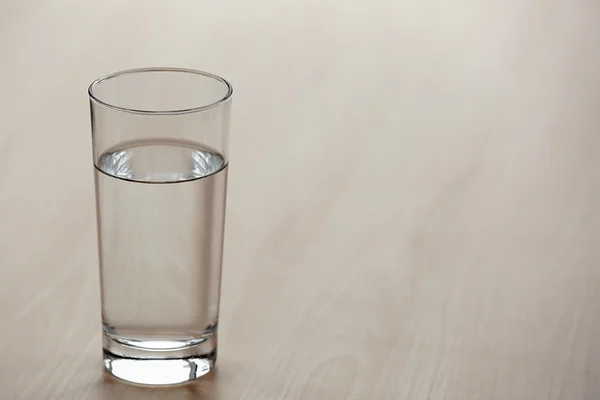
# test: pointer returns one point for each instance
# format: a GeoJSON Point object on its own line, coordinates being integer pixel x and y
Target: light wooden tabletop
{"type": "Point", "coordinates": [413, 199]}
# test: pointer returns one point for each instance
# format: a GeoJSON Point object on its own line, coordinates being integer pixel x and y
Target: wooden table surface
{"type": "Point", "coordinates": [413, 199]}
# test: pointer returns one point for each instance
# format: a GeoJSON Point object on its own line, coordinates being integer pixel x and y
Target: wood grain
{"type": "Point", "coordinates": [413, 202]}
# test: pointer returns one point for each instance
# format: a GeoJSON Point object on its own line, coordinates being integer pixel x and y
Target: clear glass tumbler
{"type": "Point", "coordinates": [160, 154]}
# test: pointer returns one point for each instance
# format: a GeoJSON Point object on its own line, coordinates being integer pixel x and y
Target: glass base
{"type": "Point", "coordinates": [168, 366]}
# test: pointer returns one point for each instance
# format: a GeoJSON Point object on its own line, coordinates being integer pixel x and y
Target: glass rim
{"type": "Point", "coordinates": [130, 110]}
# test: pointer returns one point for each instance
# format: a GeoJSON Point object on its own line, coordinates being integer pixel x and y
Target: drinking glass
{"type": "Point", "coordinates": [159, 138]}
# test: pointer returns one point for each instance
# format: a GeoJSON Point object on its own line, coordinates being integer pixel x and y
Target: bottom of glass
{"type": "Point", "coordinates": [149, 366]}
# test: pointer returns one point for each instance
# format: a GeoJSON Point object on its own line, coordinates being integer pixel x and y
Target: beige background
{"type": "Point", "coordinates": [417, 218]}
